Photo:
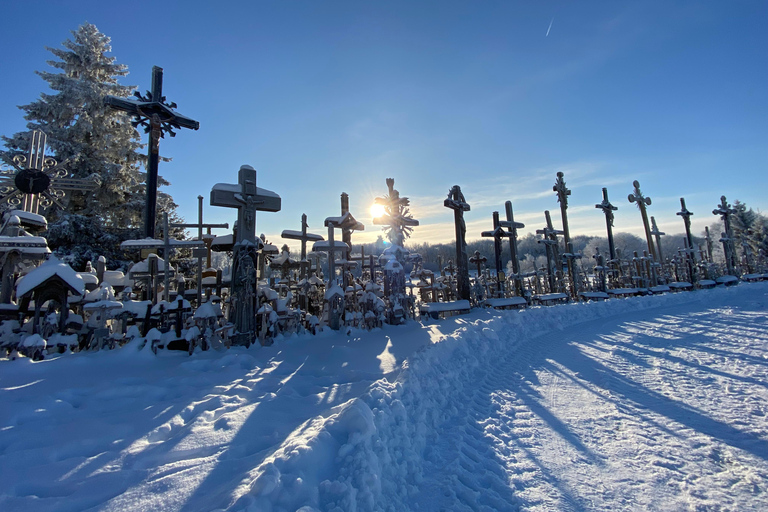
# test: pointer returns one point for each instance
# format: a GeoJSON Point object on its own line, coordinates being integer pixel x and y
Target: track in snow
{"type": "Point", "coordinates": [656, 410]}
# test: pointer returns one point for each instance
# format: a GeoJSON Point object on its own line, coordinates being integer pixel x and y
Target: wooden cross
{"type": "Point", "coordinates": [642, 202]}
{"type": "Point", "coordinates": [200, 253]}
{"type": "Point", "coordinates": [248, 199]}
{"type": "Point", "coordinates": [456, 202]}
{"type": "Point", "coordinates": [330, 246]}
{"type": "Point", "coordinates": [657, 236]}
{"type": "Point", "coordinates": [562, 197]}
{"type": "Point", "coordinates": [39, 182]}
{"type": "Point", "coordinates": [708, 239]}
{"type": "Point", "coordinates": [157, 118]}
{"type": "Point", "coordinates": [513, 227]}
{"type": "Point", "coordinates": [498, 233]}
{"type": "Point", "coordinates": [304, 237]}
{"type": "Point", "coordinates": [478, 260]}
{"type": "Point", "coordinates": [608, 210]}
{"type": "Point", "coordinates": [549, 239]}
{"type": "Point", "coordinates": [725, 211]}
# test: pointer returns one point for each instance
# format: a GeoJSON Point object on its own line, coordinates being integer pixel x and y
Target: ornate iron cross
{"type": "Point", "coordinates": [38, 182]}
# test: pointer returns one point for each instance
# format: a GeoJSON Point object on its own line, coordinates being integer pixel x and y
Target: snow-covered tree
{"type": "Point", "coordinates": [93, 140]}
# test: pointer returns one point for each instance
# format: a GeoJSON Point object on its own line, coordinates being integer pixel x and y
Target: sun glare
{"type": "Point", "coordinates": [377, 210]}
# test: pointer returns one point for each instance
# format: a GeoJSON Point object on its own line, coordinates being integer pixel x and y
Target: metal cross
{"type": "Point", "coordinates": [39, 182]}
{"type": "Point", "coordinates": [456, 202]}
{"type": "Point", "coordinates": [157, 118]}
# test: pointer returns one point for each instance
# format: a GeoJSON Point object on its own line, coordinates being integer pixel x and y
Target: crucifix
{"type": "Point", "coordinates": [608, 210]}
{"type": "Point", "coordinates": [248, 199]}
{"type": "Point", "coordinates": [304, 237]}
{"type": "Point", "coordinates": [642, 202]}
{"type": "Point", "coordinates": [38, 182]}
{"type": "Point", "coordinates": [157, 118]}
{"type": "Point", "coordinates": [456, 202]}
{"type": "Point", "coordinates": [513, 226]}
{"type": "Point", "coordinates": [498, 233]}
{"type": "Point", "coordinates": [478, 260]}
{"type": "Point", "coordinates": [725, 211]}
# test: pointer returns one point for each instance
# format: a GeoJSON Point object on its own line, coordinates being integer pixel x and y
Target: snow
{"type": "Point", "coordinates": [49, 268]}
{"type": "Point", "coordinates": [643, 403]}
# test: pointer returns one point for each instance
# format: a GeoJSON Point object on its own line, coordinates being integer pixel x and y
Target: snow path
{"type": "Point", "coordinates": [648, 403]}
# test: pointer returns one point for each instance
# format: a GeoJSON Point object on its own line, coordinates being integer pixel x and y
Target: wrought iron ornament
{"type": "Point", "coordinates": [38, 182]}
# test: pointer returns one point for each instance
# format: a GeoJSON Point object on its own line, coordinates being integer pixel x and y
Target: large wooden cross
{"type": "Point", "coordinates": [562, 197]}
{"type": "Point", "coordinates": [513, 226]}
{"type": "Point", "coordinates": [725, 211]}
{"type": "Point", "coordinates": [39, 182]}
{"type": "Point", "coordinates": [554, 265]}
{"type": "Point", "coordinates": [498, 233]}
{"type": "Point", "coordinates": [248, 199]}
{"type": "Point", "coordinates": [157, 118]}
{"type": "Point", "coordinates": [456, 202]}
{"type": "Point", "coordinates": [642, 202]}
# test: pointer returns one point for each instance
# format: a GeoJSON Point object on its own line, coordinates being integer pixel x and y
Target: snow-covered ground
{"type": "Point", "coordinates": [649, 403]}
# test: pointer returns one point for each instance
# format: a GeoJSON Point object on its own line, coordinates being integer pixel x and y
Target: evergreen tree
{"type": "Point", "coordinates": [93, 141]}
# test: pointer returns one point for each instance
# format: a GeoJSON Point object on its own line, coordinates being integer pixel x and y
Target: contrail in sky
{"type": "Point", "coordinates": [550, 26]}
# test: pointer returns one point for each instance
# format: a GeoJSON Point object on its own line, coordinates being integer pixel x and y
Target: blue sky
{"type": "Point", "coordinates": [330, 97]}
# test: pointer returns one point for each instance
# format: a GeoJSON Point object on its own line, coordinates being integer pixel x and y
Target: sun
{"type": "Point", "coordinates": [377, 210]}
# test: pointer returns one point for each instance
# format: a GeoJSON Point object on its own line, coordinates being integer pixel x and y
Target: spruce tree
{"type": "Point", "coordinates": [93, 141]}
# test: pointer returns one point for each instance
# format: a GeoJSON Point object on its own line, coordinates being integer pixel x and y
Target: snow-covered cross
{"type": "Point", "coordinates": [248, 199]}
{"type": "Point", "coordinates": [38, 182]}
{"type": "Point", "coordinates": [157, 117]}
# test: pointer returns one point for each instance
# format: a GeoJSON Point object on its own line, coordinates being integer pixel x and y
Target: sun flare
{"type": "Point", "coordinates": [377, 210]}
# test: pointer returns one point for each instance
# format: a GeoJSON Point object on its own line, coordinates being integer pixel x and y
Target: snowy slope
{"type": "Point", "coordinates": [642, 403]}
